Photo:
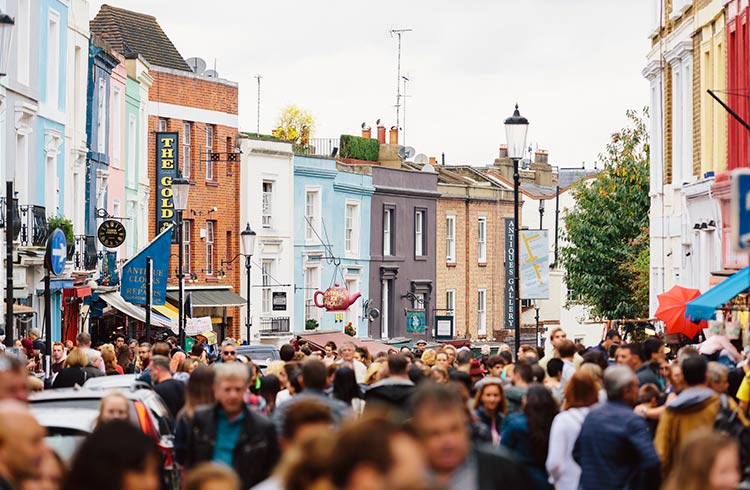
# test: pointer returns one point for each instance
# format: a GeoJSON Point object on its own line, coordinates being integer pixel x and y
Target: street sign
{"type": "Point", "coordinates": [740, 206]}
{"type": "Point", "coordinates": [279, 301]}
{"type": "Point", "coordinates": [111, 233]}
{"type": "Point", "coordinates": [56, 254]}
{"type": "Point", "coordinates": [443, 327]}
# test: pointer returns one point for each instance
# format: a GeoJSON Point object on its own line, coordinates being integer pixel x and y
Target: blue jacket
{"type": "Point", "coordinates": [615, 450]}
{"type": "Point", "coordinates": [516, 438]}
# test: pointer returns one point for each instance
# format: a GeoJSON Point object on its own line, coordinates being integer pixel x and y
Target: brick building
{"type": "Point", "coordinates": [202, 109]}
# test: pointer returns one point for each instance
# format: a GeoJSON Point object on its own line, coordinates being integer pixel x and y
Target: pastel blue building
{"type": "Point", "coordinates": [331, 241]}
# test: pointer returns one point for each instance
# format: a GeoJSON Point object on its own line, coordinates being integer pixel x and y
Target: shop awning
{"type": "Point", "coordinates": [116, 301]}
{"type": "Point", "coordinates": [22, 310]}
{"type": "Point", "coordinates": [167, 311]}
{"type": "Point", "coordinates": [319, 340]}
{"type": "Point", "coordinates": [704, 306]}
{"type": "Point", "coordinates": [77, 292]}
{"type": "Point", "coordinates": [211, 298]}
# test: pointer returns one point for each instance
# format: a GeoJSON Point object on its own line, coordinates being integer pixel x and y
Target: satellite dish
{"type": "Point", "coordinates": [377, 122]}
{"type": "Point", "coordinates": [422, 159]}
{"type": "Point", "coordinates": [406, 152]}
{"type": "Point", "coordinates": [428, 168]}
{"type": "Point", "coordinates": [211, 74]}
{"type": "Point", "coordinates": [365, 126]}
{"type": "Point", "coordinates": [198, 65]}
{"type": "Point", "coordinates": [373, 314]}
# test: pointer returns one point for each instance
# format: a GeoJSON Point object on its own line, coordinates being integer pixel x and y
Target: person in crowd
{"type": "Point", "coordinates": [553, 381]}
{"type": "Point", "coordinates": [491, 407]}
{"type": "Point", "coordinates": [113, 406]}
{"type": "Point", "coordinates": [125, 359]}
{"type": "Point", "coordinates": [438, 374]}
{"type": "Point", "coordinates": [566, 350]}
{"type": "Point", "coordinates": [451, 351]}
{"type": "Point", "coordinates": [526, 433]}
{"type": "Point", "coordinates": [528, 352]}
{"type": "Point", "coordinates": [596, 357]}
{"type": "Point", "coordinates": [74, 370]}
{"type": "Point", "coordinates": [612, 337]}
{"type": "Point", "coordinates": [429, 357]}
{"type": "Point", "coordinates": [476, 371]}
{"type": "Point", "coordinates": [581, 393]}
{"type": "Point", "coordinates": [230, 433]}
{"type": "Point", "coordinates": [441, 360]}
{"type": "Point", "coordinates": [169, 389]}
{"type": "Point", "coordinates": [94, 363]}
{"type": "Point", "coordinates": [21, 444]}
{"type": "Point", "coordinates": [314, 384]}
{"type": "Point", "coordinates": [58, 357]}
{"type": "Point", "coordinates": [362, 354]}
{"type": "Point", "coordinates": [212, 476]}
{"type": "Point", "coordinates": [649, 398]}
{"type": "Point", "coordinates": [110, 363]}
{"type": "Point", "coordinates": [51, 473]}
{"type": "Point", "coordinates": [13, 379]}
{"type": "Point", "coordinates": [630, 355]}
{"type": "Point", "coordinates": [269, 389]}
{"type": "Point", "coordinates": [463, 360]}
{"type": "Point", "coordinates": [83, 340]}
{"type": "Point", "coordinates": [158, 349]}
{"type": "Point", "coordinates": [556, 336]}
{"type": "Point", "coordinates": [228, 351]}
{"type": "Point", "coordinates": [116, 455]}
{"type": "Point", "coordinates": [144, 352]}
{"type": "Point", "coordinates": [286, 352]}
{"type": "Point", "coordinates": [198, 352]}
{"type": "Point", "coordinates": [375, 373]}
{"type": "Point", "coordinates": [346, 389]}
{"type": "Point", "coordinates": [68, 346]}
{"type": "Point", "coordinates": [719, 346]}
{"type": "Point", "coordinates": [650, 372]}
{"type": "Point", "coordinates": [176, 360]}
{"type": "Point", "coordinates": [348, 349]}
{"type": "Point", "coordinates": [707, 460]}
{"type": "Point", "coordinates": [495, 365]}
{"type": "Point", "coordinates": [199, 391]}
{"type": "Point", "coordinates": [717, 377]}
{"type": "Point", "coordinates": [622, 454]}
{"type": "Point", "coordinates": [695, 407]}
{"type": "Point", "coordinates": [36, 342]}
{"type": "Point", "coordinates": [27, 347]}
{"type": "Point", "coordinates": [330, 352]}
{"type": "Point", "coordinates": [522, 378]}
{"type": "Point", "coordinates": [392, 392]}
{"type": "Point", "coordinates": [119, 343]}
{"type": "Point", "coordinates": [441, 424]}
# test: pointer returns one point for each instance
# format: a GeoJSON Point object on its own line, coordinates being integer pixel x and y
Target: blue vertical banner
{"type": "Point", "coordinates": [134, 277]}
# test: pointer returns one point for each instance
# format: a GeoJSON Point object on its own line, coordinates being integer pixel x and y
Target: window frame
{"type": "Point", "coordinates": [450, 238]}
{"type": "Point", "coordinates": [187, 233]}
{"type": "Point", "coordinates": [351, 224]}
{"type": "Point", "coordinates": [267, 204]}
{"type": "Point", "coordinates": [482, 311]}
{"type": "Point", "coordinates": [388, 226]}
{"type": "Point", "coordinates": [266, 274]}
{"type": "Point", "coordinates": [210, 136]}
{"type": "Point", "coordinates": [450, 302]}
{"type": "Point", "coordinates": [482, 239]}
{"type": "Point", "coordinates": [210, 247]}
{"type": "Point", "coordinates": [187, 129]}
{"type": "Point", "coordinates": [312, 220]}
{"type": "Point", "coordinates": [420, 237]}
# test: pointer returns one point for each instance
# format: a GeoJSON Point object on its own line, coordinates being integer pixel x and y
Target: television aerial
{"type": "Point", "coordinates": [406, 152]}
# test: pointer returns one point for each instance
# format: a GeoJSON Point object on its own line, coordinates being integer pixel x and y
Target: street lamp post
{"type": "Point", "coordinates": [247, 237]}
{"type": "Point", "coordinates": [6, 32]}
{"type": "Point", "coordinates": [541, 214]}
{"type": "Point", "coordinates": [180, 191]}
{"type": "Point", "coordinates": [516, 127]}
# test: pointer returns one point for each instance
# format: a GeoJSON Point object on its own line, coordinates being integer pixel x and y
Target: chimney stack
{"type": "Point", "coordinates": [503, 151]}
{"type": "Point", "coordinates": [381, 134]}
{"type": "Point", "coordinates": [541, 156]}
{"type": "Point", "coordinates": [393, 136]}
{"type": "Point", "coordinates": [433, 161]}
{"type": "Point", "coordinates": [367, 132]}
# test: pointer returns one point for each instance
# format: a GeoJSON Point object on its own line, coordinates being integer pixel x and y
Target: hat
{"type": "Point", "coordinates": [476, 368]}
{"type": "Point", "coordinates": [420, 341]}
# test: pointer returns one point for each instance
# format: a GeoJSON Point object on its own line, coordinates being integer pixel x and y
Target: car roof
{"type": "Point", "coordinates": [104, 382]}
{"type": "Point", "coordinates": [79, 418]}
{"type": "Point", "coordinates": [84, 393]}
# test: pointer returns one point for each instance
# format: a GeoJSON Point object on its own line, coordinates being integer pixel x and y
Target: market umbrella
{"type": "Point", "coordinates": [671, 311]}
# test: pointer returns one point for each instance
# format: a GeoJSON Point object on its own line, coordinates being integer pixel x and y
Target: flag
{"type": "Point", "coordinates": [134, 278]}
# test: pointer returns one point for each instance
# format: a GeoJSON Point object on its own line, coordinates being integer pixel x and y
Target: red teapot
{"type": "Point", "coordinates": [335, 298]}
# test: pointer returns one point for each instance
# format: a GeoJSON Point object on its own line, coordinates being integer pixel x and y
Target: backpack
{"type": "Point", "coordinates": [728, 421]}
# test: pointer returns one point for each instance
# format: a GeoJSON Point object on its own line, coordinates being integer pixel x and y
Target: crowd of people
{"type": "Point", "coordinates": [620, 414]}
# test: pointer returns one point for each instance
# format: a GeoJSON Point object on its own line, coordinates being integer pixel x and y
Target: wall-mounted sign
{"type": "Point", "coordinates": [167, 156]}
{"type": "Point", "coordinates": [279, 301]}
{"type": "Point", "coordinates": [415, 321]}
{"type": "Point", "coordinates": [111, 233]}
{"type": "Point", "coordinates": [443, 327]}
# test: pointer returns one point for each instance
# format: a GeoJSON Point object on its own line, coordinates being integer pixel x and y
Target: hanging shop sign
{"type": "Point", "coordinates": [415, 321]}
{"type": "Point", "coordinates": [740, 209]}
{"type": "Point", "coordinates": [134, 276]}
{"type": "Point", "coordinates": [111, 233]}
{"type": "Point", "coordinates": [335, 298]}
{"type": "Point", "coordinates": [167, 156]}
{"type": "Point", "coordinates": [279, 301]}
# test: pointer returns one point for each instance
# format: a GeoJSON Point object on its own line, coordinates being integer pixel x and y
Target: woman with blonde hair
{"type": "Point", "coordinates": [581, 392]}
{"type": "Point", "coordinates": [429, 356]}
{"type": "Point", "coordinates": [73, 372]}
{"type": "Point", "coordinates": [113, 406]}
{"type": "Point", "coordinates": [491, 406]}
{"type": "Point", "coordinates": [707, 460]}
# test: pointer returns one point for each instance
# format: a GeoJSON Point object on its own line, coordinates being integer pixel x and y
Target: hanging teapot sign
{"type": "Point", "coordinates": [335, 298]}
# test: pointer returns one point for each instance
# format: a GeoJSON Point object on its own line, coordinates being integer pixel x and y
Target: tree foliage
{"type": "Point", "coordinates": [294, 125]}
{"type": "Point", "coordinates": [604, 247]}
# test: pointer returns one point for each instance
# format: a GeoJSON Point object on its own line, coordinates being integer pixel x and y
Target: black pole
{"type": "Point", "coordinates": [537, 325]}
{"type": "Point", "coordinates": [541, 215]}
{"type": "Point", "coordinates": [516, 259]}
{"type": "Point", "coordinates": [730, 111]}
{"type": "Point", "coordinates": [180, 279]}
{"type": "Point", "coordinates": [248, 263]}
{"type": "Point", "coordinates": [47, 323]}
{"type": "Point", "coordinates": [149, 295]}
{"type": "Point", "coordinates": [557, 220]}
{"type": "Point", "coordinates": [9, 263]}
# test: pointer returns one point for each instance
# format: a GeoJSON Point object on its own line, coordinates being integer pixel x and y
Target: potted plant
{"type": "Point", "coordinates": [311, 324]}
{"type": "Point", "coordinates": [350, 330]}
{"type": "Point", "coordinates": [66, 226]}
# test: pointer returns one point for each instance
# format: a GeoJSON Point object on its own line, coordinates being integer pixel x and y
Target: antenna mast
{"type": "Point", "coordinates": [398, 33]}
{"type": "Point", "coordinates": [258, 77]}
{"type": "Point", "coordinates": [406, 80]}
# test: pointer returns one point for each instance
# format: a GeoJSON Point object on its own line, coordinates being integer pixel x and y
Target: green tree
{"type": "Point", "coordinates": [604, 246]}
{"type": "Point", "coordinates": [294, 125]}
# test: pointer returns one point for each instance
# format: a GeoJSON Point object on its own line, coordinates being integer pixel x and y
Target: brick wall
{"type": "Point", "coordinates": [222, 192]}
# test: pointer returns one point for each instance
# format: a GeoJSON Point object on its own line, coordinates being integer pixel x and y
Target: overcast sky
{"type": "Point", "coordinates": [573, 66]}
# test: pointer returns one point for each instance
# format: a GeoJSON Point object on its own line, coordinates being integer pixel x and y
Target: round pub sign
{"type": "Point", "coordinates": [111, 233]}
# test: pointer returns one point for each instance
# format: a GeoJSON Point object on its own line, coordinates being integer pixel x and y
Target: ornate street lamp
{"type": "Point", "coordinates": [180, 191]}
{"type": "Point", "coordinates": [6, 34]}
{"type": "Point", "coordinates": [516, 127]}
{"type": "Point", "coordinates": [247, 237]}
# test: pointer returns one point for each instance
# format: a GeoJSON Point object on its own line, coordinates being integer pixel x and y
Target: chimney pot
{"type": "Point", "coordinates": [381, 135]}
{"type": "Point", "coordinates": [541, 156]}
{"type": "Point", "coordinates": [393, 136]}
{"type": "Point", "coordinates": [503, 151]}
{"type": "Point", "coordinates": [367, 133]}
{"type": "Point", "coordinates": [433, 161]}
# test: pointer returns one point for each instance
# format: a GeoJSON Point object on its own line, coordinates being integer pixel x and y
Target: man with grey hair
{"type": "Point", "coordinates": [228, 432]}
{"type": "Point", "coordinates": [39, 345]}
{"type": "Point", "coordinates": [614, 448]}
{"type": "Point", "coordinates": [718, 377]}
{"type": "Point", "coordinates": [94, 363]}
{"type": "Point", "coordinates": [347, 350]}
{"type": "Point", "coordinates": [228, 351]}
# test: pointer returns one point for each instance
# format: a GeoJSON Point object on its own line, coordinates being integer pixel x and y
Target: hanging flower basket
{"type": "Point", "coordinates": [350, 330]}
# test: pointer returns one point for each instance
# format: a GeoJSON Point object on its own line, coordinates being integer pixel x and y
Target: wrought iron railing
{"type": "Point", "coordinates": [86, 255]}
{"type": "Point", "coordinates": [274, 325]}
{"type": "Point", "coordinates": [34, 227]}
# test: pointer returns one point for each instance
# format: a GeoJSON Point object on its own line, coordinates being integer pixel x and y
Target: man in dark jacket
{"type": "Point", "coordinates": [392, 392]}
{"type": "Point", "coordinates": [614, 448]}
{"type": "Point", "coordinates": [441, 425]}
{"type": "Point", "coordinates": [228, 432]}
{"type": "Point", "coordinates": [649, 372]}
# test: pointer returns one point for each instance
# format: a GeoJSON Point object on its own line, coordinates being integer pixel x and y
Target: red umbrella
{"type": "Point", "coordinates": [671, 311]}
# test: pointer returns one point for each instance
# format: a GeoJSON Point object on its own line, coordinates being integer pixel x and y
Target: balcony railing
{"type": "Point", "coordinates": [274, 325]}
{"type": "Point", "coordinates": [320, 147]}
{"type": "Point", "coordinates": [34, 227]}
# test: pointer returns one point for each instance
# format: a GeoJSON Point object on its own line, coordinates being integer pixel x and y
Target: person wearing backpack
{"type": "Point", "coordinates": [697, 406]}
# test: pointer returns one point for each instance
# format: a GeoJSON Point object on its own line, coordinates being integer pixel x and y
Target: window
{"type": "Point", "coordinates": [418, 303]}
{"type": "Point", "coordinates": [187, 233]}
{"type": "Point", "coordinates": [116, 208]}
{"type": "Point", "coordinates": [482, 312]}
{"type": "Point", "coordinates": [419, 236]}
{"type": "Point", "coordinates": [23, 43]}
{"type": "Point", "coordinates": [162, 125]}
{"type": "Point", "coordinates": [116, 126]}
{"type": "Point", "coordinates": [186, 128]}
{"type": "Point", "coordinates": [482, 240]}
{"type": "Point", "coordinates": [385, 311]}
{"type": "Point", "coordinates": [131, 148]}
{"type": "Point", "coordinates": [53, 58]}
{"type": "Point", "coordinates": [312, 200]}
{"type": "Point", "coordinates": [266, 271]}
{"type": "Point", "coordinates": [387, 227]}
{"type": "Point", "coordinates": [210, 250]}
{"type": "Point", "coordinates": [450, 239]}
{"type": "Point", "coordinates": [267, 203]}
{"type": "Point", "coordinates": [209, 150]}
{"type": "Point", "coordinates": [450, 302]}
{"type": "Point", "coordinates": [351, 229]}
{"type": "Point", "coordinates": [101, 119]}
{"type": "Point", "coordinates": [230, 149]}
{"type": "Point", "coordinates": [311, 284]}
